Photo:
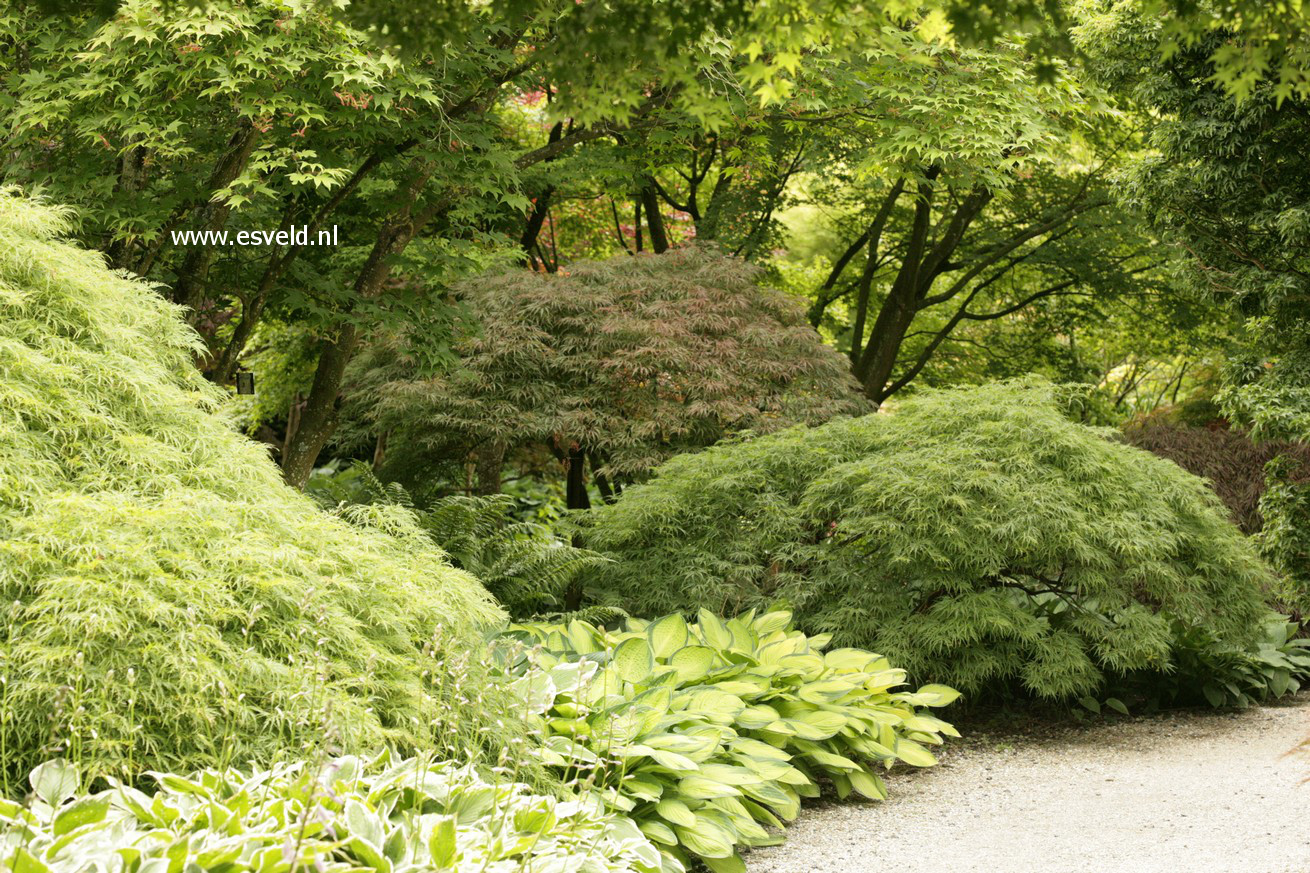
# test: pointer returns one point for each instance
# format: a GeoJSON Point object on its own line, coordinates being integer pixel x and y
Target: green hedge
{"type": "Point", "coordinates": [976, 537]}
{"type": "Point", "coordinates": [167, 602]}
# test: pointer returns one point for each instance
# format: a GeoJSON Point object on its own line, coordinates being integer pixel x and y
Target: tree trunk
{"type": "Point", "coordinates": [659, 238]}
{"type": "Point", "coordinates": [490, 464]}
{"type": "Point", "coordinates": [193, 275]}
{"type": "Point", "coordinates": [576, 480]}
{"type": "Point", "coordinates": [318, 419]}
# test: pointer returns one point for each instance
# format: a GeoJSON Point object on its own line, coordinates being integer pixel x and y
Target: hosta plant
{"type": "Point", "coordinates": [705, 733]}
{"type": "Point", "coordinates": [348, 815]}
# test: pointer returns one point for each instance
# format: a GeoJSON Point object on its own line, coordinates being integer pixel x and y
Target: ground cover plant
{"type": "Point", "coordinates": [707, 732]}
{"type": "Point", "coordinates": [345, 814]}
{"type": "Point", "coordinates": [169, 603]}
{"type": "Point", "coordinates": [977, 537]}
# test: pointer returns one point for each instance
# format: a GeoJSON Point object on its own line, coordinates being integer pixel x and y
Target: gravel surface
{"type": "Point", "coordinates": [1170, 794]}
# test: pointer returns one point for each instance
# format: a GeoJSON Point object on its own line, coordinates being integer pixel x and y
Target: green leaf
{"type": "Point", "coordinates": [692, 663]}
{"type": "Point", "coordinates": [914, 754]}
{"type": "Point", "coordinates": [676, 812]}
{"type": "Point", "coordinates": [83, 812]}
{"type": "Point", "coordinates": [55, 781]}
{"type": "Point", "coordinates": [633, 660]}
{"type": "Point", "coordinates": [667, 635]}
{"type": "Point", "coordinates": [441, 842]}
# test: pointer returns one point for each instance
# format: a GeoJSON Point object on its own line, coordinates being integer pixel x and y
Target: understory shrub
{"type": "Point", "coordinates": [704, 733]}
{"type": "Point", "coordinates": [1228, 458]}
{"type": "Point", "coordinates": [1206, 669]}
{"type": "Point", "coordinates": [976, 537]}
{"type": "Point", "coordinates": [348, 815]}
{"type": "Point", "coordinates": [168, 602]}
{"type": "Point", "coordinates": [523, 564]}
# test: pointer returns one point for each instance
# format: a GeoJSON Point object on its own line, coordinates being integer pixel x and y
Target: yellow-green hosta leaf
{"type": "Point", "coordinates": [699, 787]}
{"type": "Point", "coordinates": [786, 804]}
{"type": "Point", "coordinates": [441, 843]}
{"type": "Point", "coordinates": [667, 635]}
{"type": "Point", "coordinates": [659, 832]}
{"type": "Point", "coordinates": [914, 754]}
{"type": "Point", "coordinates": [819, 642]}
{"type": "Point", "coordinates": [771, 622]}
{"type": "Point", "coordinates": [807, 665]}
{"type": "Point", "coordinates": [742, 687]}
{"type": "Point", "coordinates": [707, 838]}
{"type": "Point", "coordinates": [713, 630]}
{"type": "Point", "coordinates": [756, 717]}
{"type": "Point", "coordinates": [692, 663]}
{"type": "Point", "coordinates": [831, 760]}
{"type": "Point", "coordinates": [643, 788]}
{"type": "Point", "coordinates": [765, 768]}
{"type": "Point", "coordinates": [584, 638]}
{"type": "Point", "coordinates": [937, 695]}
{"type": "Point", "coordinates": [633, 660]}
{"type": "Point", "coordinates": [868, 783]}
{"type": "Point", "coordinates": [757, 749]}
{"type": "Point", "coordinates": [675, 811]}
{"type": "Point", "coordinates": [663, 757]}
{"type": "Point", "coordinates": [829, 723]}
{"type": "Point", "coordinates": [731, 864]}
{"type": "Point", "coordinates": [729, 774]}
{"type": "Point", "coordinates": [824, 691]}
{"type": "Point", "coordinates": [856, 660]}
{"type": "Point", "coordinates": [83, 812]}
{"type": "Point", "coordinates": [715, 705]}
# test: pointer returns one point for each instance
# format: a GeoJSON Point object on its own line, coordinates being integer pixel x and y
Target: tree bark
{"type": "Point", "coordinates": [193, 275]}
{"type": "Point", "coordinates": [575, 492]}
{"type": "Point", "coordinates": [659, 238]}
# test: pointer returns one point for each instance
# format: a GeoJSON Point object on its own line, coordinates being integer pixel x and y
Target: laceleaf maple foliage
{"type": "Point", "coordinates": [625, 361]}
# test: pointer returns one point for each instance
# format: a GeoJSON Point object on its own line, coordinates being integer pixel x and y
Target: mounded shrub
{"type": "Point", "coordinates": [976, 537]}
{"type": "Point", "coordinates": [168, 602]}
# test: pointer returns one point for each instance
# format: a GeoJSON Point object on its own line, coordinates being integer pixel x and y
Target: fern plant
{"type": "Point", "coordinates": [524, 565]}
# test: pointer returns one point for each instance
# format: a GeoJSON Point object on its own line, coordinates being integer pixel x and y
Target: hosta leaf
{"type": "Point", "coordinates": [914, 754]}
{"type": "Point", "coordinates": [675, 811]}
{"type": "Point", "coordinates": [441, 842]}
{"type": "Point", "coordinates": [633, 660]}
{"type": "Point", "coordinates": [713, 630]}
{"type": "Point", "coordinates": [868, 783]}
{"type": "Point", "coordinates": [756, 717]}
{"type": "Point", "coordinates": [55, 781]}
{"type": "Point", "coordinates": [659, 832]}
{"type": "Point", "coordinates": [667, 635]}
{"type": "Point", "coordinates": [692, 663]}
{"type": "Point", "coordinates": [771, 621]}
{"type": "Point", "coordinates": [663, 757]}
{"type": "Point", "coordinates": [708, 839]}
{"type": "Point", "coordinates": [731, 864]}
{"type": "Point", "coordinates": [699, 787]}
{"type": "Point", "coordinates": [83, 812]}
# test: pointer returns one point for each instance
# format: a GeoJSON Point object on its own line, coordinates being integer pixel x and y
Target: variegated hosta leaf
{"type": "Point", "coordinates": [411, 815]}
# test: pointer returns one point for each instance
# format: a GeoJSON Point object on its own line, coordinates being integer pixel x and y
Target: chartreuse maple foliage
{"type": "Point", "coordinates": [169, 603]}
{"type": "Point", "coordinates": [976, 537]}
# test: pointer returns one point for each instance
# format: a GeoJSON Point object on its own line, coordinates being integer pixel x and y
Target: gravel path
{"type": "Point", "coordinates": [1171, 794]}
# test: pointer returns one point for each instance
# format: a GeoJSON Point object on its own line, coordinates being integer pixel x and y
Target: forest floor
{"type": "Point", "coordinates": [1183, 791]}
